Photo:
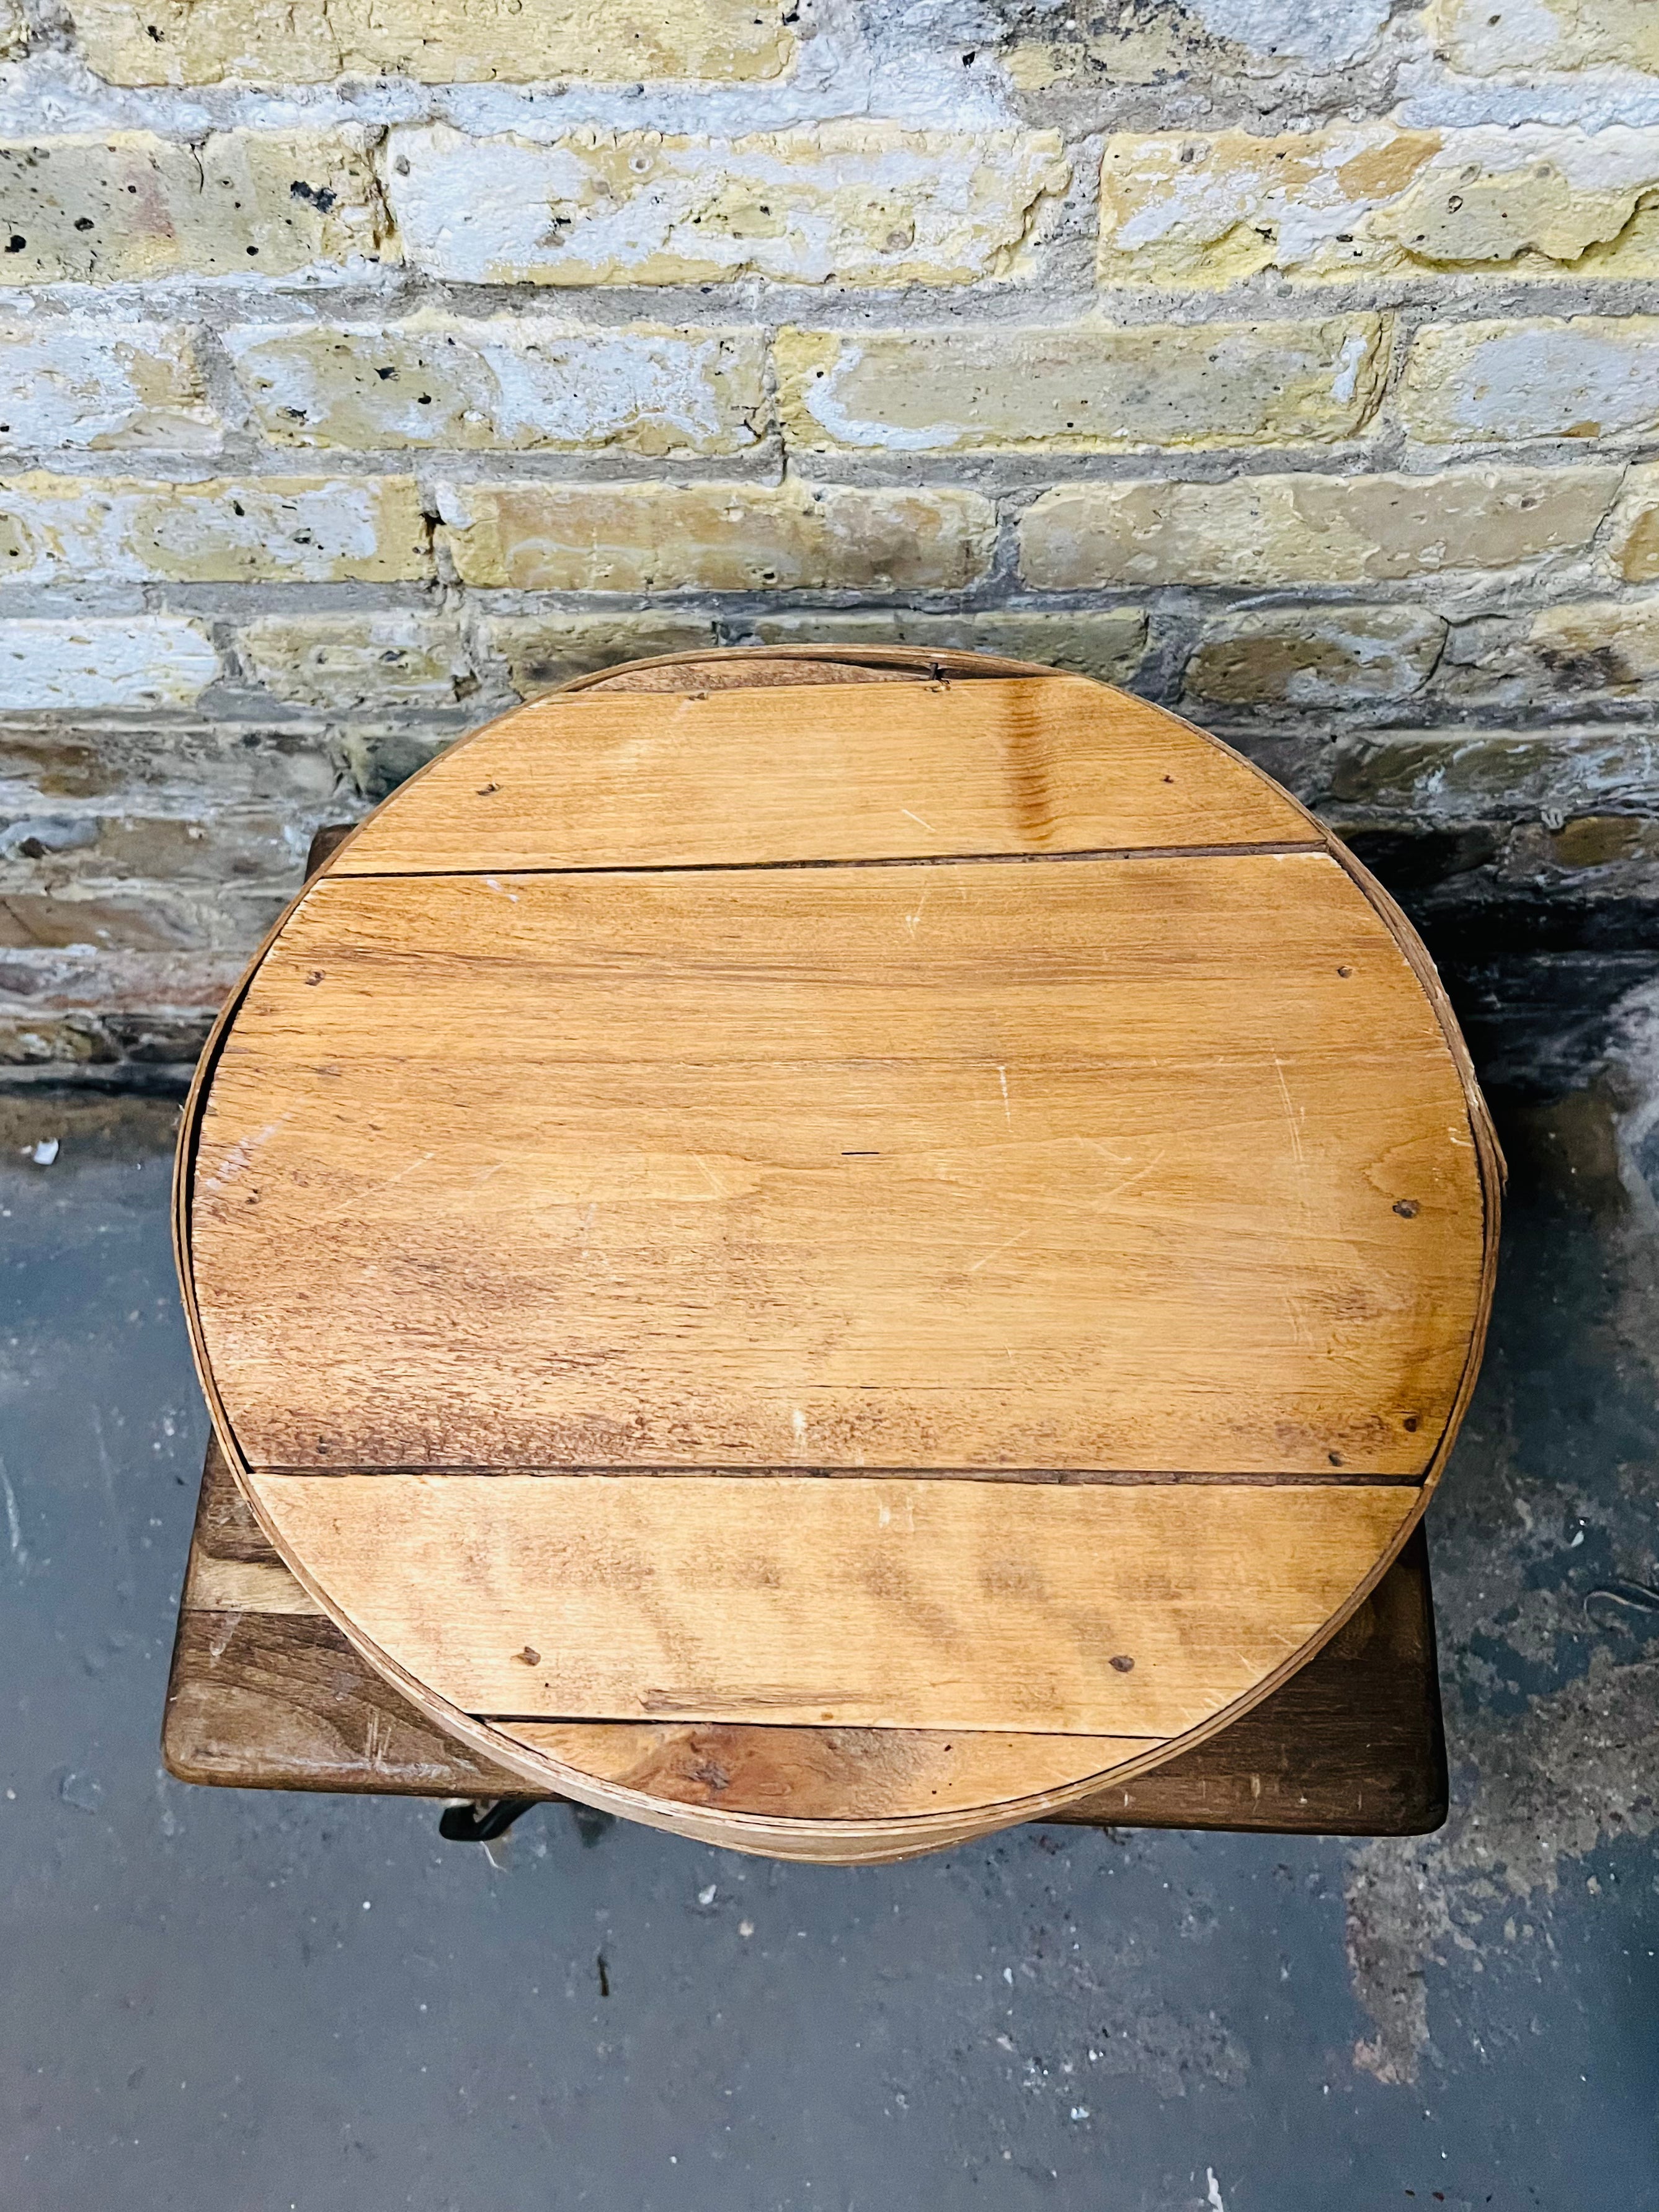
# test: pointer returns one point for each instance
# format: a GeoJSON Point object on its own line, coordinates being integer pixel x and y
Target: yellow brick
{"type": "Point", "coordinates": [1605, 852]}
{"type": "Point", "coordinates": [543, 651]}
{"type": "Point", "coordinates": [513, 381]}
{"type": "Point", "coordinates": [436, 41]}
{"type": "Point", "coordinates": [1108, 645]}
{"type": "Point", "coordinates": [1595, 649]}
{"type": "Point", "coordinates": [718, 538]}
{"type": "Point", "coordinates": [1635, 540]}
{"type": "Point", "coordinates": [1315, 657]}
{"type": "Point", "coordinates": [1484, 37]}
{"type": "Point", "coordinates": [1307, 528]}
{"type": "Point", "coordinates": [343, 662]}
{"type": "Point", "coordinates": [841, 202]}
{"type": "Point", "coordinates": [1190, 209]}
{"type": "Point", "coordinates": [128, 205]}
{"type": "Point", "coordinates": [1599, 644]}
{"type": "Point", "coordinates": [1081, 388]}
{"type": "Point", "coordinates": [263, 529]}
{"type": "Point", "coordinates": [1590, 377]}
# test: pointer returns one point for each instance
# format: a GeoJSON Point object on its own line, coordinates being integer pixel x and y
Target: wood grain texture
{"type": "Point", "coordinates": [264, 1692]}
{"type": "Point", "coordinates": [879, 1837]}
{"type": "Point", "coordinates": [821, 1773]}
{"type": "Point", "coordinates": [1351, 1744]}
{"type": "Point", "coordinates": [1149, 1166]}
{"type": "Point", "coordinates": [1025, 765]}
{"type": "Point", "coordinates": [1108, 1611]}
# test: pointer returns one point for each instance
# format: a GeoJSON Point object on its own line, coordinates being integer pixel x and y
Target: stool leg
{"type": "Point", "coordinates": [482, 1821]}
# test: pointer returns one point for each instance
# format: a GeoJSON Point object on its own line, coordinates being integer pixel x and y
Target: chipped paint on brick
{"type": "Point", "coordinates": [142, 662]}
{"type": "Point", "coordinates": [57, 529]}
{"type": "Point", "coordinates": [1206, 209]}
{"type": "Point", "coordinates": [842, 203]}
{"type": "Point", "coordinates": [507, 381]}
{"type": "Point", "coordinates": [1310, 529]}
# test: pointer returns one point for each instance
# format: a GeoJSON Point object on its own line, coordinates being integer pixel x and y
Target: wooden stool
{"type": "Point", "coordinates": [752, 1306]}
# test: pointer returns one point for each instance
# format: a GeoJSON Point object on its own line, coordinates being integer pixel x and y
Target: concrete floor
{"type": "Point", "coordinates": [220, 2000]}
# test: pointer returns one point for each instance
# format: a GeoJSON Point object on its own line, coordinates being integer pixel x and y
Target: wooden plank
{"type": "Point", "coordinates": [1027, 765]}
{"type": "Point", "coordinates": [1159, 1165]}
{"type": "Point", "coordinates": [1351, 1744]}
{"type": "Point", "coordinates": [242, 1586]}
{"type": "Point", "coordinates": [821, 1773]}
{"type": "Point", "coordinates": [1095, 1610]}
{"type": "Point", "coordinates": [267, 1692]}
{"type": "Point", "coordinates": [264, 1692]}
{"type": "Point", "coordinates": [281, 1701]}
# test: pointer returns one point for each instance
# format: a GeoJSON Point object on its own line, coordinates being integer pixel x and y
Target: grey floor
{"type": "Point", "coordinates": [229, 2001]}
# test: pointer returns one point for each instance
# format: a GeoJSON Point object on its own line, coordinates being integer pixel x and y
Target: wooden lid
{"type": "Point", "coordinates": [917, 1213]}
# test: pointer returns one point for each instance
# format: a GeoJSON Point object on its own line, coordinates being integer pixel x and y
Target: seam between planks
{"type": "Point", "coordinates": [587, 1720]}
{"type": "Point", "coordinates": [1271, 849]}
{"type": "Point", "coordinates": [1058, 1478]}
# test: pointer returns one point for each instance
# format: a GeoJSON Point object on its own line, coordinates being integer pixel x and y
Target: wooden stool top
{"type": "Point", "coordinates": [902, 1202]}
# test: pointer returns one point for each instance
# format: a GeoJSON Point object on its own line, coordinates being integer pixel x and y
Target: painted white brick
{"type": "Point", "coordinates": [1589, 377]}
{"type": "Point", "coordinates": [1080, 387]}
{"type": "Point", "coordinates": [513, 381]}
{"type": "Point", "coordinates": [146, 662]}
{"type": "Point", "coordinates": [1205, 210]}
{"type": "Point", "coordinates": [101, 387]}
{"type": "Point", "coordinates": [308, 530]}
{"type": "Point", "coordinates": [849, 202]}
{"type": "Point", "coordinates": [1488, 39]}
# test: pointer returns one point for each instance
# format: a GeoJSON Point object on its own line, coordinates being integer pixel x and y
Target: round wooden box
{"type": "Point", "coordinates": [830, 1249]}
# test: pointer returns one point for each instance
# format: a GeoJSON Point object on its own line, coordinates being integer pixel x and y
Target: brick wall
{"type": "Point", "coordinates": [364, 369]}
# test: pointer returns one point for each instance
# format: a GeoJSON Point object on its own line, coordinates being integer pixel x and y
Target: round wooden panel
{"type": "Point", "coordinates": [831, 1251]}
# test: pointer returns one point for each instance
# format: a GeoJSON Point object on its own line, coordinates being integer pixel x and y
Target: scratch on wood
{"type": "Point", "coordinates": [401, 1173]}
{"type": "Point", "coordinates": [996, 1251]}
{"type": "Point", "coordinates": [377, 1741]}
{"type": "Point", "coordinates": [240, 1157]}
{"type": "Point", "coordinates": [1293, 1117]}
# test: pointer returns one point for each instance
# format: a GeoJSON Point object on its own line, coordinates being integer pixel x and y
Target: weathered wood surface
{"type": "Point", "coordinates": [1025, 765]}
{"type": "Point", "coordinates": [609, 1028]}
{"type": "Point", "coordinates": [1135, 1610]}
{"type": "Point", "coordinates": [268, 1695]}
{"type": "Point", "coordinates": [1151, 1166]}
